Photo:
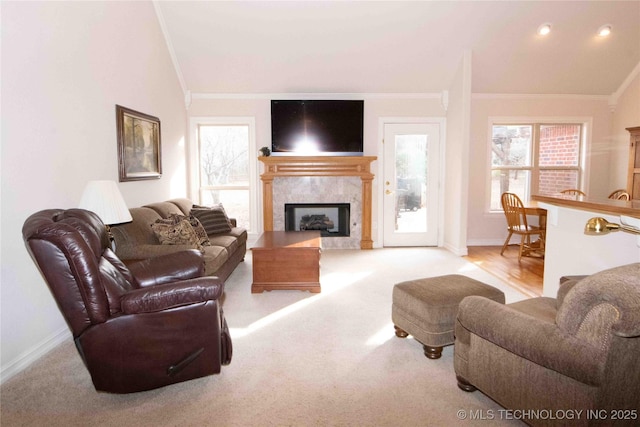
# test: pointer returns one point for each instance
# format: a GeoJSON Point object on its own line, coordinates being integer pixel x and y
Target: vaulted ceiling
{"type": "Point", "coordinates": [401, 47]}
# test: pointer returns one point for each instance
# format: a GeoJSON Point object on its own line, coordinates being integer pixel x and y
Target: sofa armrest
{"type": "Point", "coordinates": [566, 284]}
{"type": "Point", "coordinates": [168, 268]}
{"type": "Point", "coordinates": [171, 295]}
{"type": "Point", "coordinates": [536, 340]}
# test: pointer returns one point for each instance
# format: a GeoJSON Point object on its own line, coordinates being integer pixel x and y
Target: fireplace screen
{"type": "Point", "coordinates": [331, 219]}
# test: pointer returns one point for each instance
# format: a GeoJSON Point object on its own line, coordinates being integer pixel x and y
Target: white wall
{"type": "Point", "coordinates": [65, 65]}
{"type": "Point", "coordinates": [376, 106]}
{"type": "Point", "coordinates": [489, 228]}
{"type": "Point", "coordinates": [456, 181]}
{"type": "Point", "coordinates": [626, 114]}
{"type": "Point", "coordinates": [383, 107]}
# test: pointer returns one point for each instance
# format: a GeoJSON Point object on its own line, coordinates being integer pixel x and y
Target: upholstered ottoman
{"type": "Point", "coordinates": [427, 308]}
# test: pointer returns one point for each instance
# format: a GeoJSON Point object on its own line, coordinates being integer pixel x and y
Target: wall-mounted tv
{"type": "Point", "coordinates": [317, 127]}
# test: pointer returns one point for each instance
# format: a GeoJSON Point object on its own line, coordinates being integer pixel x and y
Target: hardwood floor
{"type": "Point", "coordinates": [525, 276]}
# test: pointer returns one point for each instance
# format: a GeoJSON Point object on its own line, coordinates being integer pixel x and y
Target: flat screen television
{"type": "Point", "coordinates": [317, 127]}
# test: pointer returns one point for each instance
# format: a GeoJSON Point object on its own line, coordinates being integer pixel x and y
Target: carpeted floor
{"type": "Point", "coordinates": [300, 359]}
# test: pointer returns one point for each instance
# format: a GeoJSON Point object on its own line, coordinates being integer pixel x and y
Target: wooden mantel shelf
{"type": "Point", "coordinates": [317, 166]}
{"type": "Point", "coordinates": [300, 166]}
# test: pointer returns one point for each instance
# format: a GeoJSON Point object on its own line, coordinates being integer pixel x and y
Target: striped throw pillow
{"type": "Point", "coordinates": [214, 219]}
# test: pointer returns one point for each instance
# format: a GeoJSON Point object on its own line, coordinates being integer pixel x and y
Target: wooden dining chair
{"type": "Point", "coordinates": [573, 192]}
{"type": "Point", "coordinates": [620, 194]}
{"type": "Point", "coordinates": [517, 224]}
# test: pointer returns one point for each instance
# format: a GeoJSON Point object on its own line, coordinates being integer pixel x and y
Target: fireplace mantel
{"type": "Point", "coordinates": [301, 166]}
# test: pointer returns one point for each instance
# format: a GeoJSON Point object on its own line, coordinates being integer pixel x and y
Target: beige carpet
{"type": "Point", "coordinates": [300, 359]}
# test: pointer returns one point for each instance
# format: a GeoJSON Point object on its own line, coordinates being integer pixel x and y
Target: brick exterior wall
{"type": "Point", "coordinates": [559, 146]}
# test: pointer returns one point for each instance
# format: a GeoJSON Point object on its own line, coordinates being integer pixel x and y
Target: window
{"type": "Point", "coordinates": [535, 158]}
{"type": "Point", "coordinates": [224, 167]}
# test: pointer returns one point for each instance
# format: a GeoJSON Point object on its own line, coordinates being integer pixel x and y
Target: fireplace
{"type": "Point", "coordinates": [311, 179]}
{"type": "Point", "coordinates": [331, 219]}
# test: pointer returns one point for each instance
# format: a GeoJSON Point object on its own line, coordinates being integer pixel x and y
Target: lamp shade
{"type": "Point", "coordinates": [104, 198]}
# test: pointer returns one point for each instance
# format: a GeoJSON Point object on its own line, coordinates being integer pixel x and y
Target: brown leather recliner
{"type": "Point", "coordinates": [151, 324]}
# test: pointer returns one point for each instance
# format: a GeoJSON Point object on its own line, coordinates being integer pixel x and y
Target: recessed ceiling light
{"type": "Point", "coordinates": [604, 31]}
{"type": "Point", "coordinates": [544, 29]}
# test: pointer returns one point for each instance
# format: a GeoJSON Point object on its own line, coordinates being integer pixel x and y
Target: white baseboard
{"type": "Point", "coordinates": [459, 251]}
{"type": "Point", "coordinates": [28, 357]}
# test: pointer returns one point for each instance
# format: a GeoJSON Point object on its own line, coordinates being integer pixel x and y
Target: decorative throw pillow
{"type": "Point", "coordinates": [181, 233]}
{"type": "Point", "coordinates": [214, 219]}
{"type": "Point", "coordinates": [197, 227]}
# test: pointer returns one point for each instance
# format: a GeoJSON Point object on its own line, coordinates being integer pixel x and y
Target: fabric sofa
{"type": "Point", "coordinates": [577, 352]}
{"type": "Point", "coordinates": [137, 240]}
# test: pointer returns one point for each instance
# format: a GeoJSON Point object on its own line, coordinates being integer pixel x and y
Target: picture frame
{"type": "Point", "coordinates": [139, 145]}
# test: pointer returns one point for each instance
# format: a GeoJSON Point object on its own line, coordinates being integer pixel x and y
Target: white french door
{"type": "Point", "coordinates": [410, 184]}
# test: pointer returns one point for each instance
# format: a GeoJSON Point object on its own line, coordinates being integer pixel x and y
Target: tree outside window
{"type": "Point", "coordinates": [224, 169]}
{"type": "Point", "coordinates": [531, 159]}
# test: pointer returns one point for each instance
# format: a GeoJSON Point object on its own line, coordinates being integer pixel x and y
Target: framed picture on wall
{"type": "Point", "coordinates": [139, 154]}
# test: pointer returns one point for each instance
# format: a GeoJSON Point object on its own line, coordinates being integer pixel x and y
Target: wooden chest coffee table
{"type": "Point", "coordinates": [287, 260]}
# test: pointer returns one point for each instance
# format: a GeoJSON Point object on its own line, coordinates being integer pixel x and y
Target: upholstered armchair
{"type": "Point", "coordinates": [580, 351]}
{"type": "Point", "coordinates": [151, 324]}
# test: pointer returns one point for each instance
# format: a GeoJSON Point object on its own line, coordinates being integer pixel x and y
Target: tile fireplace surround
{"type": "Point", "coordinates": [320, 179]}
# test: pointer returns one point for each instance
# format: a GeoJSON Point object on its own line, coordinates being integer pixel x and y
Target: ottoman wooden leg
{"type": "Point", "coordinates": [432, 352]}
{"type": "Point", "coordinates": [400, 333]}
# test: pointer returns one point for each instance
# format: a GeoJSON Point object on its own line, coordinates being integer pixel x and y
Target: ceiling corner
{"type": "Point", "coordinates": [172, 53]}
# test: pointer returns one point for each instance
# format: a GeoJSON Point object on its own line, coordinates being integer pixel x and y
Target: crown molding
{"type": "Point", "coordinates": [615, 96]}
{"type": "Point", "coordinates": [441, 96]}
{"type": "Point", "coordinates": [172, 52]}
{"type": "Point", "coordinates": [538, 96]}
{"type": "Point", "coordinates": [308, 95]}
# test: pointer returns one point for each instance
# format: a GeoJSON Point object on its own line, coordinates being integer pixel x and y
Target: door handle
{"type": "Point", "coordinates": [388, 192]}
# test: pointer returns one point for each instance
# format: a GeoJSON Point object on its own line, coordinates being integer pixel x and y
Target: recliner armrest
{"type": "Point", "coordinates": [168, 268]}
{"type": "Point", "coordinates": [536, 340]}
{"type": "Point", "coordinates": [171, 295]}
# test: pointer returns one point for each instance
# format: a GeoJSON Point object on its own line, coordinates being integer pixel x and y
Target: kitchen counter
{"type": "Point", "coordinates": [568, 251]}
{"type": "Point", "coordinates": [608, 206]}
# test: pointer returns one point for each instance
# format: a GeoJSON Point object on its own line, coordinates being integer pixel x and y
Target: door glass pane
{"type": "Point", "coordinates": [512, 181]}
{"type": "Point", "coordinates": [411, 183]}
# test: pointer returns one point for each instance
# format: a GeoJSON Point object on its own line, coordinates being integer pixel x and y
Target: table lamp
{"type": "Point", "coordinates": [104, 198]}
{"type": "Point", "coordinates": [599, 226]}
